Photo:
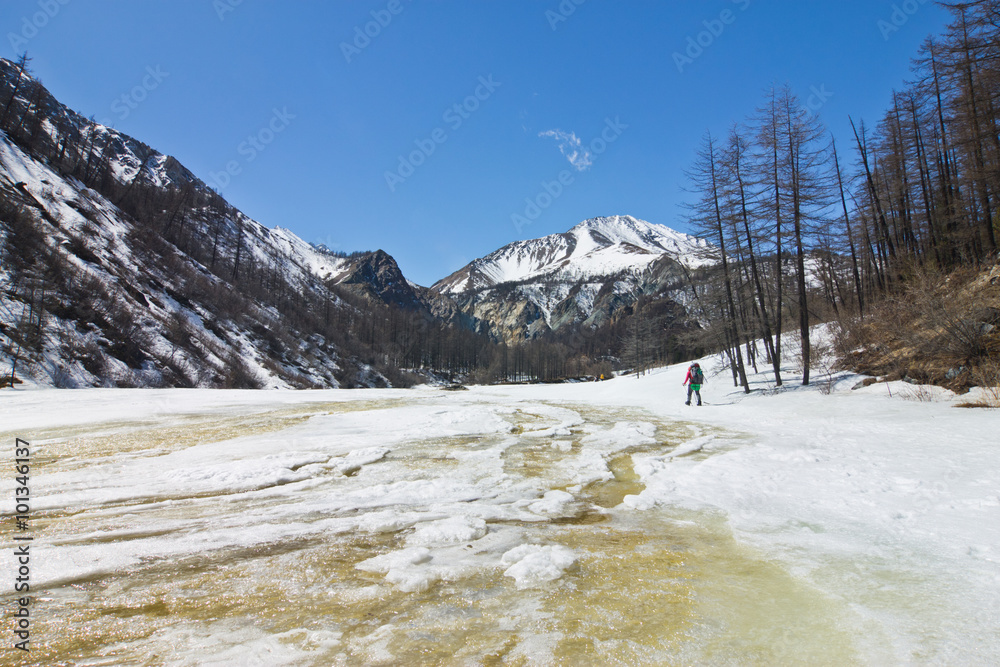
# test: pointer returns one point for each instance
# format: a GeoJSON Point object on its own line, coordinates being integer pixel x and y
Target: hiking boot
{"type": "Point", "coordinates": [687, 403]}
{"type": "Point", "coordinates": [699, 403]}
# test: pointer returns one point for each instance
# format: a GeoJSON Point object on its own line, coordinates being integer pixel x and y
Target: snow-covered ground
{"type": "Point", "coordinates": [571, 524]}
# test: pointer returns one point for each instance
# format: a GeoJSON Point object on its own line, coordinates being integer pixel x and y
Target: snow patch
{"type": "Point", "coordinates": [532, 565]}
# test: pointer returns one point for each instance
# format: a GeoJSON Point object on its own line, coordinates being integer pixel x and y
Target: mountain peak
{"type": "Point", "coordinates": [584, 275]}
{"type": "Point", "coordinates": [631, 230]}
{"type": "Point", "coordinates": [595, 248]}
{"type": "Point", "coordinates": [611, 222]}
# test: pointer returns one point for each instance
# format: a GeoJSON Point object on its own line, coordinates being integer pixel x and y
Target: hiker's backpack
{"type": "Point", "coordinates": [697, 377]}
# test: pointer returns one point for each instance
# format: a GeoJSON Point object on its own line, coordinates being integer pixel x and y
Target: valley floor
{"type": "Point", "coordinates": [545, 524]}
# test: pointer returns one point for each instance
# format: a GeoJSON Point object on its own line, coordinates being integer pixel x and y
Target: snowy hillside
{"type": "Point", "coordinates": [324, 266]}
{"type": "Point", "coordinates": [91, 244]}
{"type": "Point", "coordinates": [593, 249]}
{"type": "Point", "coordinates": [121, 268]}
{"type": "Point", "coordinates": [587, 276]}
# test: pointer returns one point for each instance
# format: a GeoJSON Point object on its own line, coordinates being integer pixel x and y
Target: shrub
{"type": "Point", "coordinates": [987, 375]}
{"type": "Point", "coordinates": [938, 329]}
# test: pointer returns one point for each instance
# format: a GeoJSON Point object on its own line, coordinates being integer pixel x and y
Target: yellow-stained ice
{"type": "Point", "coordinates": [660, 587]}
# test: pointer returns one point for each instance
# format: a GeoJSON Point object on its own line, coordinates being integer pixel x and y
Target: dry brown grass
{"type": "Point", "coordinates": [987, 375]}
{"type": "Point", "coordinates": [940, 329]}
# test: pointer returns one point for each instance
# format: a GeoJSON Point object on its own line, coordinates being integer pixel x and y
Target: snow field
{"type": "Point", "coordinates": [889, 505]}
{"type": "Point", "coordinates": [579, 523]}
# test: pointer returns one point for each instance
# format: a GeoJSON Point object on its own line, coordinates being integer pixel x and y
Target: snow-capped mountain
{"type": "Point", "coordinates": [595, 248]}
{"type": "Point", "coordinates": [586, 275]}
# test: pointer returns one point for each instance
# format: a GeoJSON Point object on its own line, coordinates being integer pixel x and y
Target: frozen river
{"type": "Point", "coordinates": [426, 527]}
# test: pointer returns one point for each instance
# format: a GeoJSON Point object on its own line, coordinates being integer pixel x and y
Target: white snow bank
{"type": "Point", "coordinates": [691, 446]}
{"type": "Point", "coordinates": [532, 565]}
{"type": "Point", "coordinates": [355, 459]}
{"type": "Point", "coordinates": [454, 530]}
{"type": "Point", "coordinates": [889, 504]}
{"type": "Point", "coordinates": [403, 568]}
{"type": "Point", "coordinates": [553, 503]}
{"type": "Point", "coordinates": [621, 435]}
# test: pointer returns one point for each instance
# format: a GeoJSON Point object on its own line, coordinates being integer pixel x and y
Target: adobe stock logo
{"type": "Point", "coordinates": [363, 35]}
{"type": "Point", "coordinates": [251, 147]}
{"type": "Point", "coordinates": [566, 9]}
{"type": "Point", "coordinates": [454, 116]}
{"type": "Point", "coordinates": [31, 25]}
{"type": "Point", "coordinates": [817, 100]}
{"type": "Point", "coordinates": [901, 14]}
{"type": "Point", "coordinates": [223, 7]}
{"type": "Point", "coordinates": [124, 105]}
{"type": "Point", "coordinates": [714, 28]}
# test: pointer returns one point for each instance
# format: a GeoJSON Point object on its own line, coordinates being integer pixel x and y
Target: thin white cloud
{"type": "Point", "coordinates": [571, 146]}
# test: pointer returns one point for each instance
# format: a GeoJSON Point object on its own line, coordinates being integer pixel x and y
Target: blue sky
{"type": "Point", "coordinates": [265, 100]}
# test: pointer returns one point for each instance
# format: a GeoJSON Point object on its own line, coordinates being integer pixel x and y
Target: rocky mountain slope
{"type": "Point", "coordinates": [121, 268]}
{"type": "Point", "coordinates": [588, 275]}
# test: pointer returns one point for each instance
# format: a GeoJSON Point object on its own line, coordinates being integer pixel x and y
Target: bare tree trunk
{"type": "Point", "coordinates": [725, 270]}
{"type": "Point", "coordinates": [794, 155]}
{"type": "Point", "coordinates": [884, 236]}
{"type": "Point", "coordinates": [989, 240]}
{"type": "Point", "coordinates": [22, 66]}
{"type": "Point", "coordinates": [850, 236]}
{"type": "Point", "coordinates": [761, 306]}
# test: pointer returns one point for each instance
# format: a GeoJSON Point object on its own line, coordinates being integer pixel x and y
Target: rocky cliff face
{"type": "Point", "coordinates": [589, 276]}
{"type": "Point", "coordinates": [377, 276]}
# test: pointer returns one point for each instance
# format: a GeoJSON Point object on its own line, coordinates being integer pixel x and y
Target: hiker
{"type": "Point", "coordinates": [695, 378]}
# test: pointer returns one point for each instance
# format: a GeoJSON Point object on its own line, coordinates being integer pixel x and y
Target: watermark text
{"type": "Point", "coordinates": [22, 545]}
{"type": "Point", "coordinates": [453, 117]}
{"type": "Point", "coordinates": [251, 147]}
